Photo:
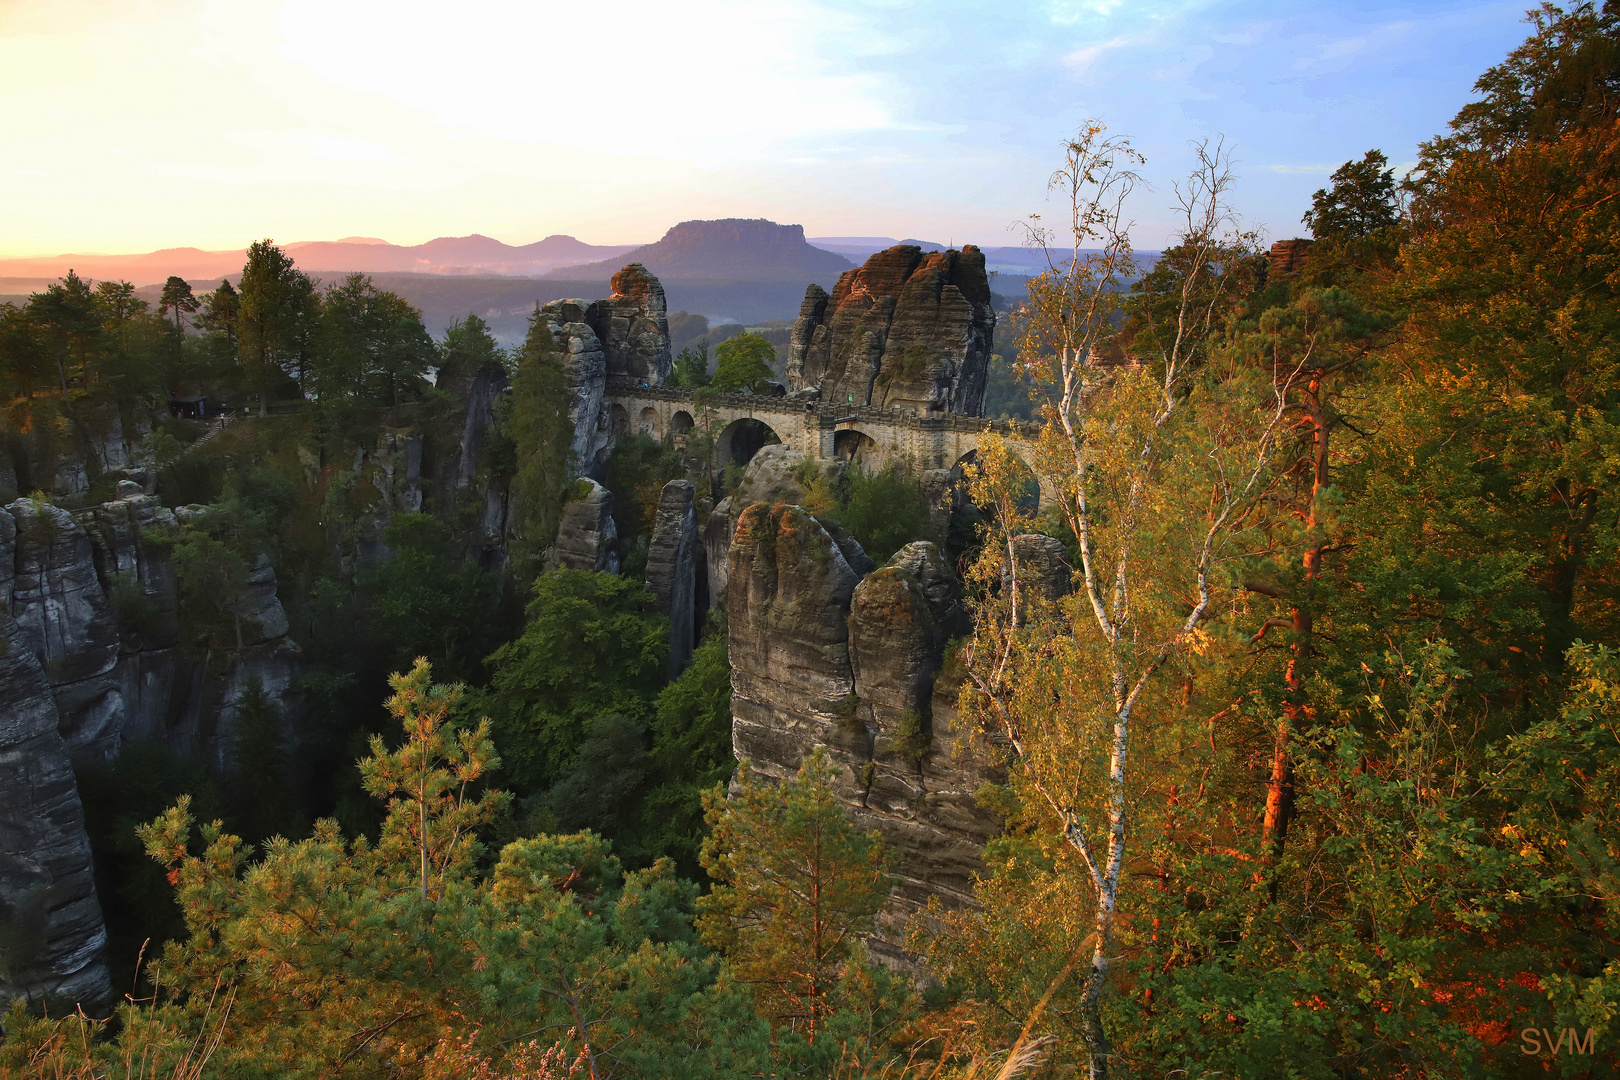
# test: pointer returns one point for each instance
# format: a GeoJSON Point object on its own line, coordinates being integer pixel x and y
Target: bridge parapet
{"type": "Point", "coordinates": [820, 429]}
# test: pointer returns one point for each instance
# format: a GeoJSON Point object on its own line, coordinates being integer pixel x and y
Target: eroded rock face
{"type": "Point", "coordinates": [717, 532]}
{"type": "Point", "coordinates": [461, 481]}
{"type": "Point", "coordinates": [906, 330]}
{"type": "Point", "coordinates": [588, 539]}
{"type": "Point", "coordinates": [1287, 257]}
{"type": "Point", "coordinates": [74, 579]}
{"type": "Point", "coordinates": [769, 478]}
{"type": "Point", "coordinates": [63, 614]}
{"type": "Point", "coordinates": [822, 656]}
{"type": "Point", "coordinates": [672, 567]}
{"type": "Point", "coordinates": [633, 326]}
{"type": "Point", "coordinates": [624, 336]}
{"type": "Point", "coordinates": [573, 329]}
{"type": "Point", "coordinates": [53, 943]}
{"type": "Point", "coordinates": [1044, 573]}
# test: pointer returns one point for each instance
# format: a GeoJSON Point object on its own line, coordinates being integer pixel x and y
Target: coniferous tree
{"type": "Point", "coordinates": [543, 435]}
{"type": "Point", "coordinates": [177, 303]}
{"type": "Point", "coordinates": [275, 308]}
{"type": "Point", "coordinates": [796, 887]}
{"type": "Point", "coordinates": [68, 322]}
{"type": "Point", "coordinates": [691, 369]}
{"type": "Point", "coordinates": [468, 347]}
{"type": "Point", "coordinates": [262, 784]}
{"type": "Point", "coordinates": [372, 344]}
{"type": "Point", "coordinates": [1361, 202]}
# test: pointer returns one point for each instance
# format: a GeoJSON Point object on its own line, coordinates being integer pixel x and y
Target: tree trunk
{"type": "Point", "coordinates": [1296, 709]}
{"type": "Point", "coordinates": [1091, 1026]}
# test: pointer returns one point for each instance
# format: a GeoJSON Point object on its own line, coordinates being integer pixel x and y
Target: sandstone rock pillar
{"type": "Point", "coordinates": [53, 943]}
{"type": "Point", "coordinates": [672, 560]}
{"type": "Point", "coordinates": [58, 602]}
{"type": "Point", "coordinates": [587, 538]}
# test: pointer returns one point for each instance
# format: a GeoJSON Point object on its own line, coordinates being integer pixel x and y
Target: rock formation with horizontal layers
{"type": "Point", "coordinates": [625, 336]}
{"type": "Point", "coordinates": [771, 477]}
{"type": "Point", "coordinates": [53, 943]}
{"type": "Point", "coordinates": [674, 558]}
{"type": "Point", "coordinates": [633, 326]}
{"type": "Point", "coordinates": [824, 655]}
{"type": "Point", "coordinates": [1287, 257]}
{"type": "Point", "coordinates": [587, 538]}
{"type": "Point", "coordinates": [907, 330]}
{"type": "Point", "coordinates": [97, 603]}
{"type": "Point", "coordinates": [62, 611]}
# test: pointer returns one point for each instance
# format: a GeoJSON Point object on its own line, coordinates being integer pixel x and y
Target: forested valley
{"type": "Point", "coordinates": [1295, 691]}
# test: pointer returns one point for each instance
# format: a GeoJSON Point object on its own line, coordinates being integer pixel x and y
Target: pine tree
{"type": "Point", "coordinates": [796, 887]}
{"type": "Point", "coordinates": [543, 433]}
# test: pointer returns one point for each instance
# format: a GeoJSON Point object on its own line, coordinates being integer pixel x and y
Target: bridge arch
{"type": "Point", "coordinates": [741, 439]}
{"type": "Point", "coordinates": [620, 417]}
{"type": "Point", "coordinates": [649, 424]}
{"type": "Point", "coordinates": [1039, 494]}
{"type": "Point", "coordinates": [855, 447]}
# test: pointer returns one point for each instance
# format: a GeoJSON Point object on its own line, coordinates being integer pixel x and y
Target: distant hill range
{"type": "Point", "coordinates": [733, 270]}
{"type": "Point", "coordinates": [730, 249]}
{"type": "Point", "coordinates": [447, 255]}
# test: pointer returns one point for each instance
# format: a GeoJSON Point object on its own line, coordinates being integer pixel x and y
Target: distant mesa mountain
{"type": "Point", "coordinates": [730, 249]}
{"type": "Point", "coordinates": [446, 255]}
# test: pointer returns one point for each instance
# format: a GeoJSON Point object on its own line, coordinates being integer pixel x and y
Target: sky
{"type": "Point", "coordinates": [142, 124]}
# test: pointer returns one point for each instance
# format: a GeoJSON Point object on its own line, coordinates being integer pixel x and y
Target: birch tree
{"type": "Point", "coordinates": [1158, 457]}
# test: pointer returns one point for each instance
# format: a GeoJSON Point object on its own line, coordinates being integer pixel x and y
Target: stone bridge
{"type": "Point", "coordinates": [823, 430]}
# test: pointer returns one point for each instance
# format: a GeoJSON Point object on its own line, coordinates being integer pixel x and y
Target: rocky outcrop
{"type": "Point", "coordinates": [587, 539]}
{"type": "Point", "coordinates": [1044, 573]}
{"type": "Point", "coordinates": [53, 943]}
{"type": "Point", "coordinates": [633, 327]}
{"type": "Point", "coordinates": [1287, 257]}
{"type": "Point", "coordinates": [791, 678]}
{"type": "Point", "coordinates": [717, 532]}
{"type": "Point", "coordinates": [463, 477]}
{"type": "Point", "coordinates": [672, 564]}
{"type": "Point", "coordinates": [573, 330]}
{"type": "Point", "coordinates": [625, 336]}
{"type": "Point", "coordinates": [906, 330]}
{"type": "Point", "coordinates": [822, 656]}
{"type": "Point", "coordinates": [769, 478]}
{"type": "Point", "coordinates": [62, 612]}
{"type": "Point", "coordinates": [97, 604]}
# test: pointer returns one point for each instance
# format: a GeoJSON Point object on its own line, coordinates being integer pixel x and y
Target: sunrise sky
{"type": "Point", "coordinates": [139, 124]}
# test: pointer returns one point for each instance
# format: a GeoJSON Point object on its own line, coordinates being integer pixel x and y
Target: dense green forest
{"type": "Point", "coordinates": [1314, 773]}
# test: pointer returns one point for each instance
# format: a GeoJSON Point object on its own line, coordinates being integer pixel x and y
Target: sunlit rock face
{"type": "Point", "coordinates": [53, 943]}
{"type": "Point", "coordinates": [906, 330]}
{"type": "Point", "coordinates": [827, 654]}
{"type": "Point", "coordinates": [633, 327]}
